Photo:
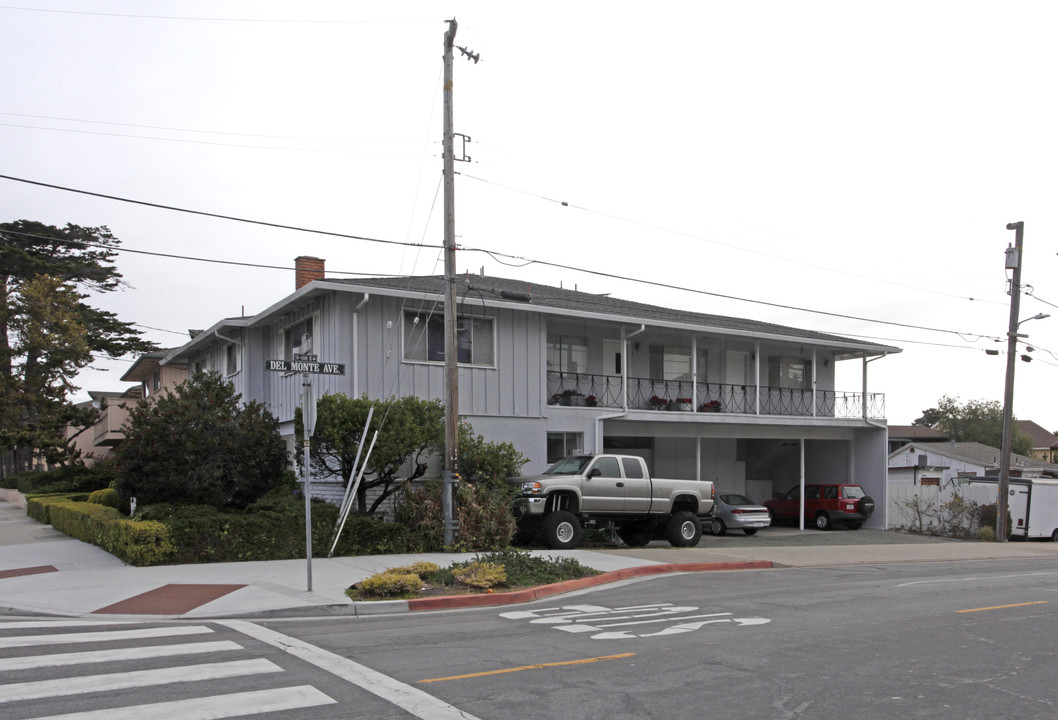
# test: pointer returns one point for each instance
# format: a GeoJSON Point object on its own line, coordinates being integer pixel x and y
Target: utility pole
{"type": "Point", "coordinates": [1013, 262]}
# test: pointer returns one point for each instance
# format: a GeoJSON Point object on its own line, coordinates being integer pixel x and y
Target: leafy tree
{"type": "Point", "coordinates": [975, 421]}
{"type": "Point", "coordinates": [483, 461]}
{"type": "Point", "coordinates": [48, 332]}
{"type": "Point", "coordinates": [410, 431]}
{"type": "Point", "coordinates": [197, 445]}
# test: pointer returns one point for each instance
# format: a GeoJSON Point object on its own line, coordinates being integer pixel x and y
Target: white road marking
{"type": "Point", "coordinates": [212, 708]}
{"type": "Point", "coordinates": [975, 579]}
{"type": "Point", "coordinates": [98, 656]}
{"type": "Point", "coordinates": [36, 624]}
{"type": "Point", "coordinates": [102, 636]}
{"type": "Point", "coordinates": [596, 619]}
{"type": "Point", "coordinates": [16, 692]}
{"type": "Point", "coordinates": [413, 700]}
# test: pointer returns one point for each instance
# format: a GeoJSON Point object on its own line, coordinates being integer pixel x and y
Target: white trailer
{"type": "Point", "coordinates": [1033, 505]}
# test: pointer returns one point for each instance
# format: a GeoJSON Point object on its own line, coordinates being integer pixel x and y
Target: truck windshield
{"type": "Point", "coordinates": [572, 465]}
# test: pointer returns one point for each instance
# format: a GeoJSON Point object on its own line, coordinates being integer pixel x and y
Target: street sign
{"type": "Point", "coordinates": [305, 366]}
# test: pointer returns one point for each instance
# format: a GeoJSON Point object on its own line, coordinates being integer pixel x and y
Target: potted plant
{"type": "Point", "coordinates": [658, 403]}
{"type": "Point", "coordinates": [711, 406]}
{"type": "Point", "coordinates": [591, 401]}
{"type": "Point", "coordinates": [684, 404]}
{"type": "Point", "coordinates": [572, 397]}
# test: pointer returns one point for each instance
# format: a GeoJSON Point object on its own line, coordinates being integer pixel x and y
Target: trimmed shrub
{"type": "Point", "coordinates": [481, 574]}
{"type": "Point", "coordinates": [135, 542]}
{"type": "Point", "coordinates": [390, 584]}
{"type": "Point", "coordinates": [483, 512]}
{"type": "Point", "coordinates": [985, 534]}
{"type": "Point", "coordinates": [420, 568]}
{"type": "Point", "coordinates": [106, 496]}
{"type": "Point", "coordinates": [270, 529]}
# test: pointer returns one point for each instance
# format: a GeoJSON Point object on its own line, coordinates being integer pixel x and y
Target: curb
{"type": "Point", "coordinates": [451, 602]}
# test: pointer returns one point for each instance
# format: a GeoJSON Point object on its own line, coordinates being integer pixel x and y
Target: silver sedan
{"type": "Point", "coordinates": [737, 512]}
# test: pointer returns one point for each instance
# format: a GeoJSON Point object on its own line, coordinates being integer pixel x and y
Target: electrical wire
{"type": "Point", "coordinates": [495, 255]}
{"type": "Point", "coordinates": [720, 243]}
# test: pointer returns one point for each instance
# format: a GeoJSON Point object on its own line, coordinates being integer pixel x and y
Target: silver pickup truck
{"type": "Point", "coordinates": [597, 489]}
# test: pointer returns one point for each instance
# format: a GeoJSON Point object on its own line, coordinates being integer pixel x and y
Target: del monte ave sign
{"type": "Point", "coordinates": [305, 364]}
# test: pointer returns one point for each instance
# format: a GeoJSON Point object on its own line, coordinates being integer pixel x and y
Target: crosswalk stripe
{"type": "Point", "coordinates": [211, 708]}
{"type": "Point", "coordinates": [101, 636]}
{"type": "Point", "coordinates": [36, 624]}
{"type": "Point", "coordinates": [15, 692]}
{"type": "Point", "coordinates": [415, 701]}
{"type": "Point", "coordinates": [98, 656]}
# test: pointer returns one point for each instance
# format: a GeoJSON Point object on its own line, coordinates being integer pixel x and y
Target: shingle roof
{"type": "Point", "coordinates": [985, 455]}
{"type": "Point", "coordinates": [915, 432]}
{"type": "Point", "coordinates": [1041, 437]}
{"type": "Point", "coordinates": [506, 289]}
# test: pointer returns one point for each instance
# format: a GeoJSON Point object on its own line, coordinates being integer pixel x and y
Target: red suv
{"type": "Point", "coordinates": [824, 505]}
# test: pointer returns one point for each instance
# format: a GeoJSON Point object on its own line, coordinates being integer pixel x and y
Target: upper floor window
{"type": "Point", "coordinates": [789, 372]}
{"type": "Point", "coordinates": [670, 362]}
{"type": "Point", "coordinates": [567, 354]}
{"type": "Point", "coordinates": [297, 339]}
{"type": "Point", "coordinates": [424, 339]}
{"type": "Point", "coordinates": [156, 381]}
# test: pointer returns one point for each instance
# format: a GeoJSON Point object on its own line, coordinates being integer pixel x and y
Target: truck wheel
{"type": "Point", "coordinates": [636, 535]}
{"type": "Point", "coordinates": [525, 536]}
{"type": "Point", "coordinates": [561, 530]}
{"type": "Point", "coordinates": [822, 521]}
{"type": "Point", "coordinates": [683, 529]}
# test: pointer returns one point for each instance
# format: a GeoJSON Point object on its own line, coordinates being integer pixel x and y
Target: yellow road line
{"type": "Point", "coordinates": [1003, 607]}
{"type": "Point", "coordinates": [537, 666]}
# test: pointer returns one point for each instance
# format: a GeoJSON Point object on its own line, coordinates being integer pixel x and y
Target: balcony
{"type": "Point", "coordinates": [604, 391]}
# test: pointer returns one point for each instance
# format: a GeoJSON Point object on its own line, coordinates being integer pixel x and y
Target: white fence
{"type": "Point", "coordinates": [915, 506]}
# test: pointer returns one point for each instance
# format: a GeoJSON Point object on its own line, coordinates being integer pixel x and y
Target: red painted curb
{"type": "Point", "coordinates": [449, 602]}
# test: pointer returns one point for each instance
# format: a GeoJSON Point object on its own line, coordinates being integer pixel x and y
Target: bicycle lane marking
{"type": "Point", "coordinates": [633, 621]}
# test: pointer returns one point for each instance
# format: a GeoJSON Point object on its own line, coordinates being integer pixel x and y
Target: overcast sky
{"type": "Point", "coordinates": [858, 159]}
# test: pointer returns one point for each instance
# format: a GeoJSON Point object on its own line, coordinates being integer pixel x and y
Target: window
{"type": "Point", "coordinates": [424, 339]}
{"type": "Point", "coordinates": [562, 444]}
{"type": "Point", "coordinates": [156, 381]}
{"type": "Point", "coordinates": [633, 468]}
{"type": "Point", "coordinates": [789, 372]}
{"type": "Point", "coordinates": [231, 358]}
{"type": "Point", "coordinates": [607, 467]}
{"type": "Point", "coordinates": [297, 339]}
{"type": "Point", "coordinates": [567, 354]}
{"type": "Point", "coordinates": [670, 362]}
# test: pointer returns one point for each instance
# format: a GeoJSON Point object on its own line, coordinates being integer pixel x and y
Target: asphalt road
{"type": "Point", "coordinates": [939, 640]}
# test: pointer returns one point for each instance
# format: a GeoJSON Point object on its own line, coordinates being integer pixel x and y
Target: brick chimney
{"type": "Point", "coordinates": [307, 269]}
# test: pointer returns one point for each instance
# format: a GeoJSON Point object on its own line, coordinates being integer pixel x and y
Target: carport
{"type": "Point", "coordinates": [760, 459]}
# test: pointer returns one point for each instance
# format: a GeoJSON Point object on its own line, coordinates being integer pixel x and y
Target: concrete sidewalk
{"type": "Point", "coordinates": [44, 572]}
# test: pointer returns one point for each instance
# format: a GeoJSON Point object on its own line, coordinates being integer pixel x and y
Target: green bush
{"type": "Point", "coordinates": [481, 574]}
{"type": "Point", "coordinates": [200, 445]}
{"type": "Point", "coordinates": [986, 517]}
{"type": "Point", "coordinates": [72, 478]}
{"type": "Point", "coordinates": [985, 534]}
{"type": "Point", "coordinates": [483, 512]}
{"type": "Point", "coordinates": [390, 584]}
{"type": "Point", "coordinates": [106, 496]}
{"type": "Point", "coordinates": [271, 529]}
{"type": "Point", "coordinates": [135, 542]}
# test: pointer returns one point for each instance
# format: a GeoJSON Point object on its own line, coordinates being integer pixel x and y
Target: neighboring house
{"type": "Point", "coordinates": [153, 377]}
{"type": "Point", "coordinates": [95, 443]}
{"type": "Point", "coordinates": [1044, 442]}
{"type": "Point", "coordinates": [747, 404]}
{"type": "Point", "coordinates": [900, 435]}
{"type": "Point", "coordinates": [939, 471]}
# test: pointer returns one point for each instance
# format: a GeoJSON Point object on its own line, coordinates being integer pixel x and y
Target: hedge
{"type": "Point", "coordinates": [136, 542]}
{"type": "Point", "coordinates": [73, 478]}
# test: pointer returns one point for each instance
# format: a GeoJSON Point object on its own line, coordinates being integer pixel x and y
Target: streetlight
{"type": "Point", "coordinates": [1013, 262]}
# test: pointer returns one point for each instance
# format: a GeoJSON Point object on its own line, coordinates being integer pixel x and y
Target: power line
{"type": "Point", "coordinates": [491, 253]}
{"type": "Point", "coordinates": [218, 215]}
{"type": "Point", "coordinates": [731, 246]}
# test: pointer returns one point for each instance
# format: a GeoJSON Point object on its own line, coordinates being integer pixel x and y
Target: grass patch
{"type": "Point", "coordinates": [500, 571]}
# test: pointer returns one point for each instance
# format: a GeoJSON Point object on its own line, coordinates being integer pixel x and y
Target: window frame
{"type": "Point", "coordinates": [466, 337]}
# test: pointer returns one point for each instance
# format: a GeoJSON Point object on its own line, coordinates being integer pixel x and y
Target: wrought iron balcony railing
{"type": "Point", "coordinates": [584, 389]}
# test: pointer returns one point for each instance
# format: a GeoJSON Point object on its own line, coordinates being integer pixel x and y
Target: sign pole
{"type": "Point", "coordinates": [306, 399]}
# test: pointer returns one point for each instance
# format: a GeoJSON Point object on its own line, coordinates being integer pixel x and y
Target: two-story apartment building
{"type": "Point", "coordinates": [749, 405]}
